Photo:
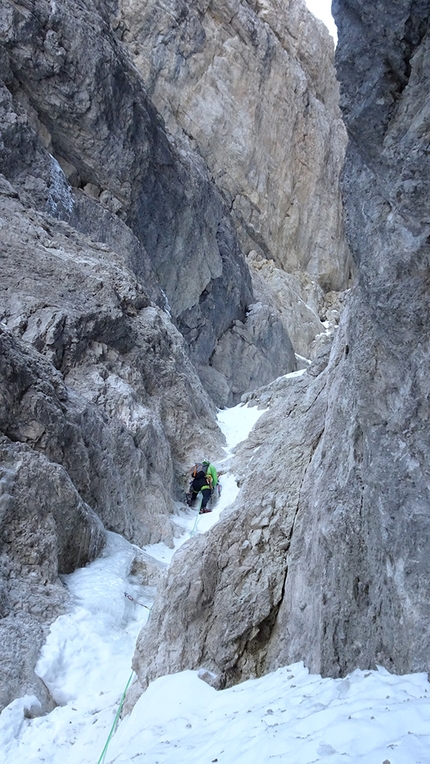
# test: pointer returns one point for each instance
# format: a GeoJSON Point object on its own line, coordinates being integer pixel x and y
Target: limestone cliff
{"type": "Point", "coordinates": [127, 306]}
{"type": "Point", "coordinates": [252, 86]}
{"type": "Point", "coordinates": [324, 557]}
{"type": "Point", "coordinates": [92, 114]}
{"type": "Point", "coordinates": [99, 408]}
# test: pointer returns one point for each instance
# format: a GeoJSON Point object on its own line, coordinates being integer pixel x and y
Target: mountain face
{"type": "Point", "coordinates": [251, 85]}
{"type": "Point", "coordinates": [150, 271]}
{"type": "Point", "coordinates": [324, 556]}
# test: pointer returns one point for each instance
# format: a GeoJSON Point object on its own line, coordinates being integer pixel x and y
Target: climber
{"type": "Point", "coordinates": [205, 480]}
{"type": "Point", "coordinates": [199, 483]}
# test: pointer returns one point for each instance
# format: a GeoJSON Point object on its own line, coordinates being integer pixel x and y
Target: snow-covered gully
{"type": "Point", "coordinates": [288, 716]}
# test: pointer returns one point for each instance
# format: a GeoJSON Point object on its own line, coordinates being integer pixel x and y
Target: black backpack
{"type": "Point", "coordinates": [198, 471]}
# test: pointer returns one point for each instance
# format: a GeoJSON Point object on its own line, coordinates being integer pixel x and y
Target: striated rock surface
{"type": "Point", "coordinates": [369, 484]}
{"type": "Point", "coordinates": [324, 556]}
{"type": "Point", "coordinates": [251, 85]}
{"type": "Point", "coordinates": [306, 312]}
{"type": "Point", "coordinates": [47, 529]}
{"type": "Point", "coordinates": [130, 403]}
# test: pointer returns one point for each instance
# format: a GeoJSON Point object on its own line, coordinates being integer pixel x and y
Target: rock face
{"type": "Point", "coordinates": [374, 520]}
{"type": "Point", "coordinates": [130, 403]}
{"type": "Point", "coordinates": [127, 307]}
{"type": "Point", "coordinates": [99, 407]}
{"type": "Point", "coordinates": [47, 528]}
{"type": "Point", "coordinates": [299, 302]}
{"type": "Point", "coordinates": [97, 122]}
{"type": "Point", "coordinates": [252, 86]}
{"type": "Point", "coordinates": [40, 511]}
{"type": "Point", "coordinates": [221, 617]}
{"type": "Point", "coordinates": [329, 561]}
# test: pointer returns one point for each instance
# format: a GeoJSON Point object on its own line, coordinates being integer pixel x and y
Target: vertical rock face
{"type": "Point", "coordinates": [360, 562]}
{"type": "Point", "coordinates": [223, 592]}
{"type": "Point", "coordinates": [369, 535]}
{"type": "Point", "coordinates": [46, 526]}
{"type": "Point", "coordinates": [252, 86]}
{"type": "Point", "coordinates": [98, 121]}
{"type": "Point", "coordinates": [331, 564]}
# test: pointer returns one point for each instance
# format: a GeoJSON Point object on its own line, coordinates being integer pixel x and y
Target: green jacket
{"type": "Point", "coordinates": [211, 472]}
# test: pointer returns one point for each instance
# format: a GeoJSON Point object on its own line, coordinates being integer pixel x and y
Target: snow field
{"type": "Point", "coordinates": [288, 716]}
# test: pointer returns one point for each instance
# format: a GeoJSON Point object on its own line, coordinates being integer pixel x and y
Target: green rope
{"type": "Point", "coordinates": [115, 721]}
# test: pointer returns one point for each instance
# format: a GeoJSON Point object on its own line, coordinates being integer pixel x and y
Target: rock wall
{"type": "Point", "coordinates": [93, 116]}
{"type": "Point", "coordinates": [252, 86]}
{"type": "Point", "coordinates": [124, 284]}
{"type": "Point", "coordinates": [220, 617]}
{"type": "Point", "coordinates": [374, 519]}
{"type": "Point", "coordinates": [131, 405]}
{"type": "Point", "coordinates": [324, 556]}
{"type": "Point", "coordinates": [100, 412]}
{"type": "Point", "coordinates": [309, 314]}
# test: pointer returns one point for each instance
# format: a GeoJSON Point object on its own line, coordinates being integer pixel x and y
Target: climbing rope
{"type": "Point", "coordinates": [129, 597]}
{"type": "Point", "coordinates": [121, 703]}
{"type": "Point", "coordinates": [115, 721]}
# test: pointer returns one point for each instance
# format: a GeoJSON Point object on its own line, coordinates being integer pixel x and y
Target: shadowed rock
{"type": "Point", "coordinates": [94, 116]}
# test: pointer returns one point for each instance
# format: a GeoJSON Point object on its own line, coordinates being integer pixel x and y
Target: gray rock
{"type": "Point", "coordinates": [98, 123]}
{"type": "Point", "coordinates": [46, 529]}
{"type": "Point", "coordinates": [45, 523]}
{"type": "Point", "coordinates": [220, 73]}
{"type": "Point", "coordinates": [101, 410]}
{"type": "Point", "coordinates": [222, 616]}
{"type": "Point", "coordinates": [365, 541]}
{"type": "Point", "coordinates": [21, 638]}
{"type": "Point", "coordinates": [125, 408]}
{"type": "Point", "coordinates": [241, 354]}
{"type": "Point", "coordinates": [296, 299]}
{"type": "Point", "coordinates": [324, 557]}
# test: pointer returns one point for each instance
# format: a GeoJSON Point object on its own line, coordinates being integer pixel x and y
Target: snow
{"type": "Point", "coordinates": [236, 423]}
{"type": "Point", "coordinates": [370, 717]}
{"type": "Point", "coordinates": [288, 716]}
